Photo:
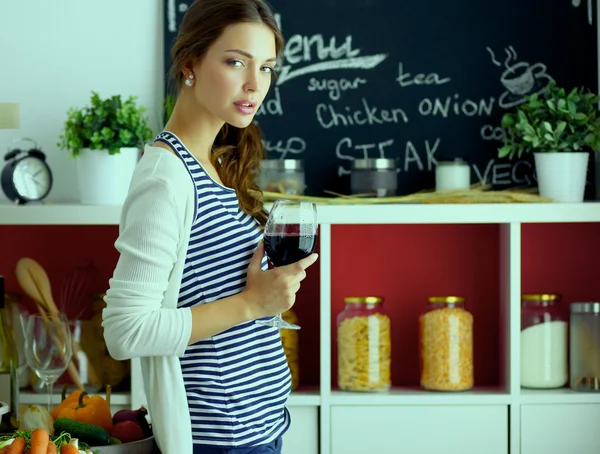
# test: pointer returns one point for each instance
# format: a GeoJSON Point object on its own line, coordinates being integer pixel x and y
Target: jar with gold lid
{"type": "Point", "coordinates": [544, 341]}
{"type": "Point", "coordinates": [364, 345]}
{"type": "Point", "coordinates": [446, 338]}
{"type": "Point", "coordinates": [289, 339]}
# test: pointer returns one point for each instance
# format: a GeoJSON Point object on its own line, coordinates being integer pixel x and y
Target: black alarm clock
{"type": "Point", "coordinates": [26, 177]}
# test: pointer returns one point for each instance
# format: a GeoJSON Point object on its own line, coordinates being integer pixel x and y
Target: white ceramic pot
{"type": "Point", "coordinates": [104, 179]}
{"type": "Point", "coordinates": [597, 182]}
{"type": "Point", "coordinates": [562, 175]}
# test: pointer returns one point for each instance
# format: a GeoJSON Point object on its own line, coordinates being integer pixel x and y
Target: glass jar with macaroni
{"type": "Point", "coordinates": [289, 339]}
{"type": "Point", "coordinates": [364, 345]}
{"type": "Point", "coordinates": [446, 338]}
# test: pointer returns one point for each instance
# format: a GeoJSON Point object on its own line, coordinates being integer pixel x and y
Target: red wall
{"type": "Point", "coordinates": [403, 263]}
{"type": "Point", "coordinates": [408, 263]}
{"type": "Point", "coordinates": [59, 249]}
{"type": "Point", "coordinates": [562, 258]}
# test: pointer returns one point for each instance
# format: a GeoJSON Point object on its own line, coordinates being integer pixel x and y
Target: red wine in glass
{"type": "Point", "coordinates": [290, 235]}
{"type": "Point", "coordinates": [289, 246]}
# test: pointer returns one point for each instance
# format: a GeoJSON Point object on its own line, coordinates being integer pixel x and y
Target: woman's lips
{"type": "Point", "coordinates": [245, 107]}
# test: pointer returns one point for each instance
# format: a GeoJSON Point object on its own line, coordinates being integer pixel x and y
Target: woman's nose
{"type": "Point", "coordinates": [252, 84]}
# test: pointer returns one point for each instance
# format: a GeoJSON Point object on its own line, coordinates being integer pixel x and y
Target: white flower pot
{"type": "Point", "coordinates": [562, 175]}
{"type": "Point", "coordinates": [104, 179]}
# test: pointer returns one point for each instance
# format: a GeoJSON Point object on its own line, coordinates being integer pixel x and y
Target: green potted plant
{"type": "Point", "coordinates": [105, 137]}
{"type": "Point", "coordinates": [560, 128]}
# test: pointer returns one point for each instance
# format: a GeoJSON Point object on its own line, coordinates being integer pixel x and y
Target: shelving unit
{"type": "Point", "coordinates": [500, 416]}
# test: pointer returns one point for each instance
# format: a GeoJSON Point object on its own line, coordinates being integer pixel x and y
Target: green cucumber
{"type": "Point", "coordinates": [88, 433]}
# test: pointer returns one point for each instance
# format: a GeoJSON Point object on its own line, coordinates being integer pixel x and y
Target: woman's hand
{"type": "Point", "coordinates": [273, 291]}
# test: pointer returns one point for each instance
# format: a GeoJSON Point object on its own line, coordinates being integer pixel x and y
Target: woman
{"type": "Point", "coordinates": [192, 278]}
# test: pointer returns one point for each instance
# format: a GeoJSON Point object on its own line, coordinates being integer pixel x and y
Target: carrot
{"type": "Point", "coordinates": [69, 449]}
{"type": "Point", "coordinates": [17, 446]}
{"type": "Point", "coordinates": [39, 441]}
{"type": "Point", "coordinates": [51, 448]}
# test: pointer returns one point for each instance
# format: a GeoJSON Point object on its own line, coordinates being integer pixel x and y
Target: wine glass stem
{"type": "Point", "coordinates": [49, 384]}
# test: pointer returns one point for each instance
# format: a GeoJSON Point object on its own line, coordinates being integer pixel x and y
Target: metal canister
{"type": "Point", "coordinates": [285, 176]}
{"type": "Point", "coordinates": [374, 177]}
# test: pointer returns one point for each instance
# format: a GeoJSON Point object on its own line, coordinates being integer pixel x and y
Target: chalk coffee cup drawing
{"type": "Point", "coordinates": [519, 79]}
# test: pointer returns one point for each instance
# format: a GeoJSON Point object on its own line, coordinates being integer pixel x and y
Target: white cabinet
{"type": "Point", "coordinates": [560, 429]}
{"type": "Point", "coordinates": [419, 429]}
{"type": "Point", "coordinates": [303, 435]}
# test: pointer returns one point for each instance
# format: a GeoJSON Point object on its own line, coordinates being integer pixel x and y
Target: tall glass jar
{"type": "Point", "coordinates": [364, 345]}
{"type": "Point", "coordinates": [446, 337]}
{"type": "Point", "coordinates": [544, 342]}
{"type": "Point", "coordinates": [585, 346]}
{"type": "Point", "coordinates": [289, 339]}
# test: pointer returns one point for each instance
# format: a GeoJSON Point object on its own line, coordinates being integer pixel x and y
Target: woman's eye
{"type": "Point", "coordinates": [235, 63]}
{"type": "Point", "coordinates": [267, 69]}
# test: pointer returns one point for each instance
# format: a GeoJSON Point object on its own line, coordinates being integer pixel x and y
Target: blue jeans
{"type": "Point", "coordinates": [271, 448]}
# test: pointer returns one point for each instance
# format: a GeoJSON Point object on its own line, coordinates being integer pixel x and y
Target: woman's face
{"type": "Point", "coordinates": [232, 79]}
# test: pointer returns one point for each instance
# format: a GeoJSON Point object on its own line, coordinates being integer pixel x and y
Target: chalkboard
{"type": "Point", "coordinates": [417, 81]}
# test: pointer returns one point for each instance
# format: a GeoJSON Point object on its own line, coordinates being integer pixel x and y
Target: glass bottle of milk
{"type": "Point", "coordinates": [544, 342]}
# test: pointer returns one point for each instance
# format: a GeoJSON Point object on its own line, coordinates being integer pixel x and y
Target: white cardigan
{"type": "Point", "coordinates": [141, 319]}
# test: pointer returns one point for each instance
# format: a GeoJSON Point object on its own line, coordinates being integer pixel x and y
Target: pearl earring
{"type": "Point", "coordinates": [188, 81]}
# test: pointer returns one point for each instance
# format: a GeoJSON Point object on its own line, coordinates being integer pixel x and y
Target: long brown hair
{"type": "Point", "coordinates": [238, 151]}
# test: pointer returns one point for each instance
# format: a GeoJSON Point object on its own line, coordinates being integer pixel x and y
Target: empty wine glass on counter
{"type": "Point", "coordinates": [290, 235]}
{"type": "Point", "coordinates": [48, 347]}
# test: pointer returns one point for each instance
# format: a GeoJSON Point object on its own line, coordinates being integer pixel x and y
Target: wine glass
{"type": "Point", "coordinates": [48, 347]}
{"type": "Point", "coordinates": [290, 235]}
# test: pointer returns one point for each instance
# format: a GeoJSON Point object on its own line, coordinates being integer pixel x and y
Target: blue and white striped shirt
{"type": "Point", "coordinates": [237, 382]}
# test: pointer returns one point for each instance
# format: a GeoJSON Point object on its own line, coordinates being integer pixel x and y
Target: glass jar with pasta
{"type": "Point", "coordinates": [446, 337]}
{"type": "Point", "coordinates": [364, 345]}
{"type": "Point", "coordinates": [289, 339]}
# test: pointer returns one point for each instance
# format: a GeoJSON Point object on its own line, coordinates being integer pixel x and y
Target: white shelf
{"type": "Point", "coordinates": [402, 396]}
{"type": "Point", "coordinates": [28, 398]}
{"type": "Point", "coordinates": [558, 396]}
{"type": "Point", "coordinates": [296, 399]}
{"type": "Point", "coordinates": [58, 214]}
{"type": "Point", "coordinates": [304, 399]}
{"type": "Point", "coordinates": [500, 213]}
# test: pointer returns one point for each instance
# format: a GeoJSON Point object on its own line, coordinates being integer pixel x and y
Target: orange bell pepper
{"type": "Point", "coordinates": [88, 409]}
{"type": "Point", "coordinates": [66, 401]}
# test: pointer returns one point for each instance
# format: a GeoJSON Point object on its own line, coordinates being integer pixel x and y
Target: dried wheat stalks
{"type": "Point", "coordinates": [476, 194]}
